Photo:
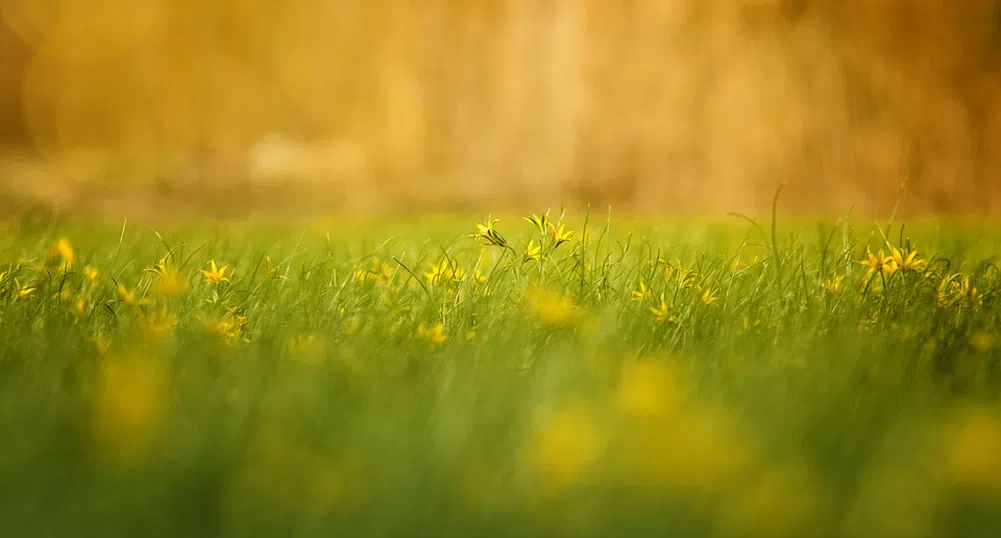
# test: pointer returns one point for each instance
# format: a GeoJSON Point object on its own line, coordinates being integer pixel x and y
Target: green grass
{"type": "Point", "coordinates": [504, 397]}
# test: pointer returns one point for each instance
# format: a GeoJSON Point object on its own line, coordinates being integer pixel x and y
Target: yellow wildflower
{"type": "Point", "coordinates": [708, 297]}
{"type": "Point", "coordinates": [531, 251]}
{"type": "Point", "coordinates": [662, 313]}
{"type": "Point", "coordinates": [22, 291]}
{"type": "Point", "coordinates": [879, 263]}
{"type": "Point", "coordinates": [471, 334]}
{"type": "Point", "coordinates": [911, 262]}
{"type": "Point", "coordinates": [642, 293]}
{"type": "Point", "coordinates": [488, 234]}
{"type": "Point", "coordinates": [216, 275]}
{"type": "Point", "coordinates": [559, 235]}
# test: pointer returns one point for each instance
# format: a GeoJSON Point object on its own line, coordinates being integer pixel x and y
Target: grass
{"type": "Point", "coordinates": [406, 379]}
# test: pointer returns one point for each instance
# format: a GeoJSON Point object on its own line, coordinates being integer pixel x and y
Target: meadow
{"type": "Point", "coordinates": [553, 375]}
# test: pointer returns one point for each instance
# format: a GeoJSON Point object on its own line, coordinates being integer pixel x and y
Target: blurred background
{"type": "Point", "coordinates": [661, 107]}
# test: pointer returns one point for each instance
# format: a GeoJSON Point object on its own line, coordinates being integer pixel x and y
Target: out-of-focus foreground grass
{"type": "Point", "coordinates": [581, 377]}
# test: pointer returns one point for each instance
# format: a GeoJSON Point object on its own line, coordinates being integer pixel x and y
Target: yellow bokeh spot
{"type": "Point", "coordinates": [567, 447]}
{"type": "Point", "coordinates": [551, 307]}
{"type": "Point", "coordinates": [129, 405]}
{"type": "Point", "coordinates": [972, 450]}
{"type": "Point", "coordinates": [648, 389]}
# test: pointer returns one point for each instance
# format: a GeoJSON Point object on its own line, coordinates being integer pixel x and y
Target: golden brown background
{"type": "Point", "coordinates": [653, 106]}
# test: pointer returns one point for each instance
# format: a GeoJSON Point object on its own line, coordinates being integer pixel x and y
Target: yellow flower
{"type": "Point", "coordinates": [479, 277]}
{"type": "Point", "coordinates": [22, 291]}
{"type": "Point", "coordinates": [956, 290]}
{"type": "Point", "coordinates": [471, 334]}
{"type": "Point", "coordinates": [662, 313]}
{"type": "Point", "coordinates": [551, 307]}
{"type": "Point", "coordinates": [908, 263]}
{"type": "Point", "coordinates": [216, 275]}
{"type": "Point", "coordinates": [539, 221]}
{"type": "Point", "coordinates": [531, 251]}
{"type": "Point", "coordinates": [559, 235]}
{"type": "Point", "coordinates": [881, 263]}
{"type": "Point", "coordinates": [130, 297]}
{"type": "Point", "coordinates": [488, 234]}
{"type": "Point", "coordinates": [435, 336]}
{"type": "Point", "coordinates": [91, 274]}
{"type": "Point", "coordinates": [708, 297]}
{"type": "Point", "coordinates": [642, 293]}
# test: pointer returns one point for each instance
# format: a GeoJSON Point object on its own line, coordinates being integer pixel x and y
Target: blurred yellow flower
{"type": "Point", "coordinates": [567, 446]}
{"type": "Point", "coordinates": [832, 285]}
{"type": "Point", "coordinates": [648, 389]}
{"type": "Point", "coordinates": [91, 274]}
{"type": "Point", "coordinates": [79, 308]}
{"type": "Point", "coordinates": [61, 253]}
{"type": "Point", "coordinates": [551, 307]}
{"type": "Point", "coordinates": [130, 400]}
{"type": "Point", "coordinates": [130, 297]}
{"type": "Point", "coordinates": [435, 336]}
{"type": "Point", "coordinates": [971, 459]}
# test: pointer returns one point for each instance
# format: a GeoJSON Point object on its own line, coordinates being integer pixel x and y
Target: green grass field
{"type": "Point", "coordinates": [408, 379]}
